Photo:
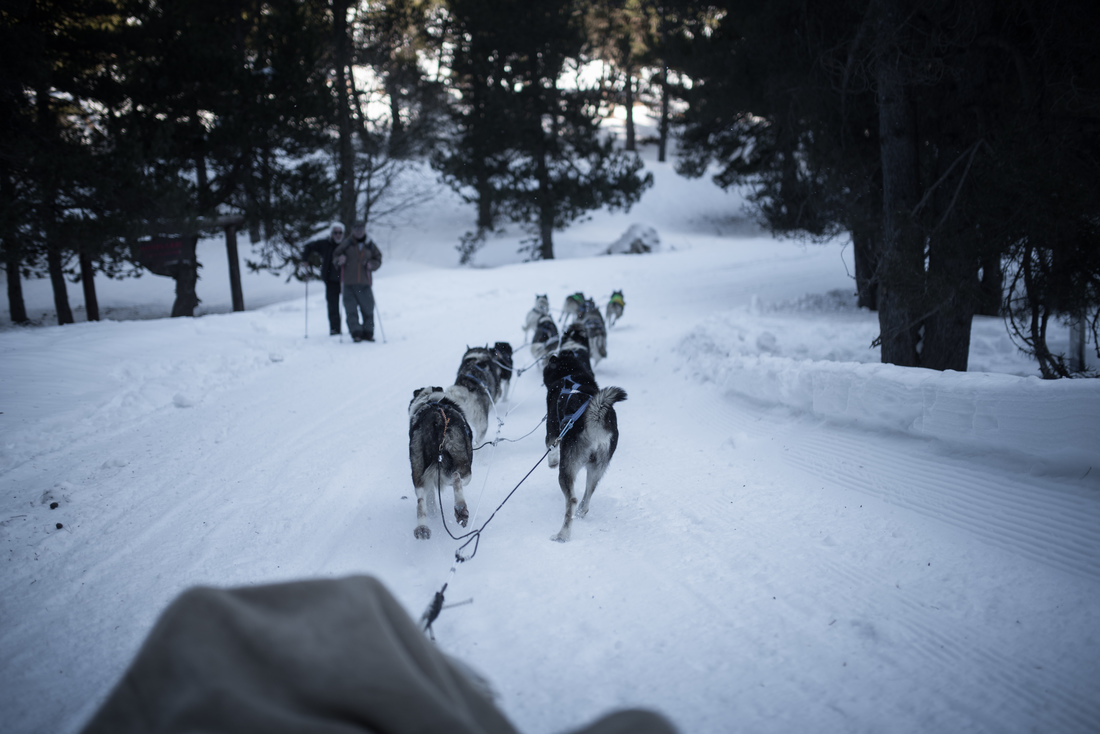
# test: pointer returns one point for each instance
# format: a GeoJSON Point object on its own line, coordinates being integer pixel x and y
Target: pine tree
{"type": "Point", "coordinates": [548, 164]}
{"type": "Point", "coordinates": [227, 102]}
{"type": "Point", "coordinates": [623, 35]}
{"type": "Point", "coordinates": [919, 128]}
{"type": "Point", "coordinates": [54, 209]}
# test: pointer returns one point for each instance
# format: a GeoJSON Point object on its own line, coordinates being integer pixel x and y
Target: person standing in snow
{"type": "Point", "coordinates": [322, 248]}
{"type": "Point", "coordinates": [358, 257]}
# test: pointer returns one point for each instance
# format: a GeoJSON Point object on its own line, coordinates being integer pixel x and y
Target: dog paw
{"type": "Point", "coordinates": [561, 537]}
{"type": "Point", "coordinates": [461, 515]}
{"type": "Point", "coordinates": [581, 511]}
{"type": "Point", "coordinates": [422, 532]}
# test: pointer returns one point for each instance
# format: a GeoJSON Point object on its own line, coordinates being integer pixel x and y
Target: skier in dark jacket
{"type": "Point", "coordinates": [358, 257]}
{"type": "Point", "coordinates": [321, 249]}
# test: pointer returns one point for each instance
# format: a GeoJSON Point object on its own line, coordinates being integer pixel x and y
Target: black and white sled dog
{"type": "Point", "coordinates": [540, 309]}
{"type": "Point", "coordinates": [597, 332]}
{"type": "Point", "coordinates": [440, 452]}
{"type": "Point", "coordinates": [545, 340]}
{"type": "Point", "coordinates": [615, 308]}
{"type": "Point", "coordinates": [477, 388]}
{"type": "Point", "coordinates": [573, 307]}
{"type": "Point", "coordinates": [575, 339]}
{"type": "Point", "coordinates": [582, 429]}
{"type": "Point", "coordinates": [502, 359]}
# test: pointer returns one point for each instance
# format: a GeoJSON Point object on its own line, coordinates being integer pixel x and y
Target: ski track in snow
{"type": "Point", "coordinates": [1053, 525]}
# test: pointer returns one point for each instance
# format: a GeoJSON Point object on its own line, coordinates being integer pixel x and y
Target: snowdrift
{"type": "Point", "coordinates": [1055, 423]}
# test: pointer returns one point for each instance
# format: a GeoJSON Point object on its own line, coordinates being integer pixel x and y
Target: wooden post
{"type": "Point", "coordinates": [230, 224]}
{"type": "Point", "coordinates": [87, 280]}
{"type": "Point", "coordinates": [1077, 345]}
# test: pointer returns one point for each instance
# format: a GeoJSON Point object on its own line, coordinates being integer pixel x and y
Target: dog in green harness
{"type": "Point", "coordinates": [615, 308]}
{"type": "Point", "coordinates": [573, 308]}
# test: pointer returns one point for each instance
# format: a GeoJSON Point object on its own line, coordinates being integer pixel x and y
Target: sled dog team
{"type": "Point", "coordinates": [582, 430]}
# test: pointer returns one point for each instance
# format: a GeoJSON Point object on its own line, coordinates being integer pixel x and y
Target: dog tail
{"type": "Point", "coordinates": [603, 402]}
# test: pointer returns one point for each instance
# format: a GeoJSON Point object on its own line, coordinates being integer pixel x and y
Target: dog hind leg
{"type": "Point", "coordinates": [594, 471]}
{"type": "Point", "coordinates": [462, 515]}
{"type": "Point", "coordinates": [422, 531]}
{"type": "Point", "coordinates": [566, 477]}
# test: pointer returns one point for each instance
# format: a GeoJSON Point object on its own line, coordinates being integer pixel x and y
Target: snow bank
{"type": "Point", "coordinates": [1056, 422]}
{"type": "Point", "coordinates": [637, 240]}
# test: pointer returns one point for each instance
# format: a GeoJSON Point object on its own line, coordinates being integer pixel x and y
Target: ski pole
{"type": "Point", "coordinates": [379, 313]}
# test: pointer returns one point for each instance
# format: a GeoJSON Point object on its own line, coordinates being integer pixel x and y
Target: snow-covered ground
{"type": "Point", "coordinates": [791, 536]}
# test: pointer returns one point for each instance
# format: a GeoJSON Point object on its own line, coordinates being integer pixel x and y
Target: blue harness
{"type": "Point", "coordinates": [567, 392]}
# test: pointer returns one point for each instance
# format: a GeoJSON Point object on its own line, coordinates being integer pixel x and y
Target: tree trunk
{"type": "Point", "coordinates": [47, 176]}
{"type": "Point", "coordinates": [13, 259]}
{"type": "Point", "coordinates": [545, 196]}
{"type": "Point", "coordinates": [991, 288]}
{"type": "Point", "coordinates": [1077, 331]}
{"type": "Point", "coordinates": [662, 125]}
{"type": "Point", "coordinates": [901, 265]}
{"type": "Point", "coordinates": [187, 277]}
{"type": "Point", "coordinates": [479, 94]}
{"type": "Point", "coordinates": [55, 264]}
{"type": "Point", "coordinates": [630, 139]}
{"type": "Point", "coordinates": [946, 341]}
{"type": "Point", "coordinates": [865, 253]}
{"type": "Point", "coordinates": [546, 208]}
{"type": "Point", "coordinates": [484, 202]}
{"type": "Point", "coordinates": [342, 62]}
{"type": "Point", "coordinates": [397, 128]}
{"type": "Point", "coordinates": [235, 290]}
{"type": "Point", "coordinates": [17, 308]}
{"type": "Point", "coordinates": [186, 272]}
{"type": "Point", "coordinates": [1050, 366]}
{"type": "Point", "coordinates": [87, 281]}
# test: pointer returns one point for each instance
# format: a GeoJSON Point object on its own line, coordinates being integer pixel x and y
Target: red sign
{"type": "Point", "coordinates": [160, 254]}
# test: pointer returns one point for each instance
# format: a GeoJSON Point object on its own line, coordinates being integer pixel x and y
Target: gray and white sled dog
{"type": "Point", "coordinates": [545, 340]}
{"type": "Point", "coordinates": [615, 308]}
{"type": "Point", "coordinates": [440, 452]}
{"type": "Point", "coordinates": [582, 429]}
{"type": "Point", "coordinates": [476, 388]}
{"type": "Point", "coordinates": [540, 309]}
{"type": "Point", "coordinates": [597, 332]}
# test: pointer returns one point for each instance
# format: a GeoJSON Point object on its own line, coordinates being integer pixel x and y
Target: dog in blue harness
{"type": "Point", "coordinates": [582, 429]}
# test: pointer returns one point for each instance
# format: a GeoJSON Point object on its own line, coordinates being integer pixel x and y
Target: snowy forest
{"type": "Point", "coordinates": [956, 143]}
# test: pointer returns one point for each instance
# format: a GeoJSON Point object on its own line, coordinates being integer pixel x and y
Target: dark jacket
{"type": "Point", "coordinates": [363, 258]}
{"type": "Point", "coordinates": [323, 248]}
